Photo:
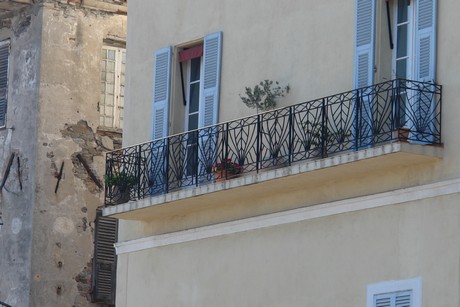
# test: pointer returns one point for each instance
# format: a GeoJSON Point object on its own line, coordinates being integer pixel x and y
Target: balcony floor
{"type": "Point", "coordinates": [344, 165]}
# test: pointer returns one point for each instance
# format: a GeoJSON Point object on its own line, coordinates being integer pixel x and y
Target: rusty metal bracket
{"type": "Point", "coordinates": [90, 171]}
{"type": "Point", "coordinates": [59, 177]}
{"type": "Point", "coordinates": [7, 172]}
{"type": "Point", "coordinates": [19, 172]}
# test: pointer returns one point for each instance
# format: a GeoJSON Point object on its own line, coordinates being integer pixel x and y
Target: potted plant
{"type": "Point", "coordinates": [401, 134]}
{"type": "Point", "coordinates": [120, 185]}
{"type": "Point", "coordinates": [315, 135]}
{"type": "Point", "coordinates": [226, 169]}
{"type": "Point", "coordinates": [263, 96]}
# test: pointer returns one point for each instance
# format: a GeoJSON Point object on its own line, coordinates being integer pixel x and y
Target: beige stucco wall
{"type": "Point", "coordinates": [321, 262]}
{"type": "Point", "coordinates": [306, 44]}
{"type": "Point", "coordinates": [269, 40]}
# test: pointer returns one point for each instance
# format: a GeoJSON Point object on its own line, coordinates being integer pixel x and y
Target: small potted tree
{"type": "Point", "coordinates": [264, 95]}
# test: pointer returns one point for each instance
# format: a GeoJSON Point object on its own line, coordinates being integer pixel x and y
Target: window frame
{"type": "Point", "coordinates": [410, 42]}
{"type": "Point", "coordinates": [118, 102]}
{"type": "Point", "coordinates": [392, 286]}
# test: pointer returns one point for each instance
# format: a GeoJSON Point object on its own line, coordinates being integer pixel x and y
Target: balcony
{"type": "Point", "coordinates": [394, 117]}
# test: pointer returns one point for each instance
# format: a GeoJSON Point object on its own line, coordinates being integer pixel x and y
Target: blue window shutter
{"type": "Point", "coordinates": [209, 102]}
{"type": "Point", "coordinates": [364, 71]}
{"type": "Point", "coordinates": [4, 63]}
{"type": "Point", "coordinates": [421, 119]}
{"type": "Point", "coordinates": [364, 43]}
{"type": "Point", "coordinates": [161, 92]}
{"type": "Point", "coordinates": [425, 40]}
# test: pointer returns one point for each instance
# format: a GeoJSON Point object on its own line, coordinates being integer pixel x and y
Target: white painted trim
{"type": "Point", "coordinates": [292, 216]}
{"type": "Point", "coordinates": [414, 284]}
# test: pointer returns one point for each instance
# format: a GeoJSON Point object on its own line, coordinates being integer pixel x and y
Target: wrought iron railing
{"type": "Point", "coordinates": [358, 119]}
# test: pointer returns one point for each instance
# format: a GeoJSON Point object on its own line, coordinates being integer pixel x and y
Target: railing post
{"type": "Point", "coordinates": [107, 173]}
{"type": "Point", "coordinates": [291, 135]}
{"type": "Point", "coordinates": [440, 109]}
{"type": "Point", "coordinates": [397, 104]}
{"type": "Point", "coordinates": [258, 143]}
{"type": "Point", "coordinates": [139, 157]}
{"type": "Point", "coordinates": [226, 147]}
{"type": "Point", "coordinates": [166, 144]}
{"type": "Point", "coordinates": [358, 109]}
{"type": "Point", "coordinates": [323, 128]}
{"type": "Point", "coordinates": [196, 138]}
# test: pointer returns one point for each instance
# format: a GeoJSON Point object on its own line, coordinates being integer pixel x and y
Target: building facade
{"type": "Point", "coordinates": [59, 87]}
{"type": "Point", "coordinates": [346, 194]}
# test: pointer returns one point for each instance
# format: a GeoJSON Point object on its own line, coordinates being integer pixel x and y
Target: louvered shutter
{"type": "Point", "coordinates": [425, 40]}
{"type": "Point", "coordinates": [209, 101]}
{"type": "Point", "coordinates": [394, 299]}
{"type": "Point", "coordinates": [4, 63]}
{"type": "Point", "coordinates": [364, 70]}
{"type": "Point", "coordinates": [161, 92]}
{"type": "Point", "coordinates": [105, 260]}
{"type": "Point", "coordinates": [422, 119]}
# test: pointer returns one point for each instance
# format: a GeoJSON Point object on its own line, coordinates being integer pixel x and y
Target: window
{"type": "Point", "coordinates": [414, 28]}
{"type": "Point", "coordinates": [202, 90]}
{"type": "Point", "coordinates": [112, 87]}
{"type": "Point", "coordinates": [400, 293]}
{"type": "Point", "coordinates": [413, 58]}
{"type": "Point", "coordinates": [208, 85]}
{"type": "Point", "coordinates": [4, 63]}
{"type": "Point", "coordinates": [193, 81]}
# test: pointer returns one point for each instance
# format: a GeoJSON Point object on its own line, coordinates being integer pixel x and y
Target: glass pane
{"type": "Point", "coordinates": [401, 49]}
{"type": "Point", "coordinates": [103, 65]}
{"type": "Point", "coordinates": [109, 100]}
{"type": "Point", "coordinates": [195, 69]}
{"type": "Point", "coordinates": [108, 111]}
{"type": "Point", "coordinates": [109, 88]}
{"type": "Point", "coordinates": [402, 10]}
{"type": "Point", "coordinates": [401, 68]}
{"type": "Point", "coordinates": [111, 66]}
{"type": "Point", "coordinates": [104, 54]}
{"type": "Point", "coordinates": [194, 97]}
{"type": "Point", "coordinates": [110, 78]}
{"type": "Point", "coordinates": [193, 122]}
{"type": "Point", "coordinates": [102, 87]}
{"type": "Point", "coordinates": [111, 55]}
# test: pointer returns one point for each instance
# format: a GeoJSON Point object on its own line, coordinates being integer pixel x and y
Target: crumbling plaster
{"type": "Point", "coordinates": [52, 116]}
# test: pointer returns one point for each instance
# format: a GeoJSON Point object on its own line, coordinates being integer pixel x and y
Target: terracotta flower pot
{"type": "Point", "coordinates": [223, 175]}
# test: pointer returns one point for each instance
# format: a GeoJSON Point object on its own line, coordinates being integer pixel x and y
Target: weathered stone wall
{"type": "Point", "coordinates": [19, 138]}
{"type": "Point", "coordinates": [47, 241]}
{"type": "Point", "coordinates": [68, 124]}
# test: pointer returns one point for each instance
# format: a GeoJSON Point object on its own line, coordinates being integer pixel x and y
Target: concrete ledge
{"type": "Point", "coordinates": [389, 155]}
